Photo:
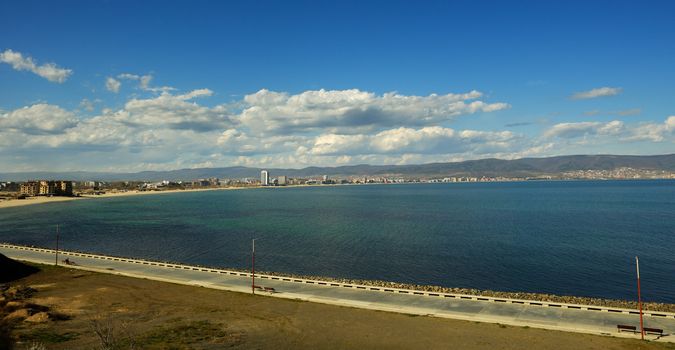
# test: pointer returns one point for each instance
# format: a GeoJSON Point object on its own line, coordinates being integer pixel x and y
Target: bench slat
{"type": "Point", "coordinates": [653, 330]}
{"type": "Point", "coordinates": [621, 327]}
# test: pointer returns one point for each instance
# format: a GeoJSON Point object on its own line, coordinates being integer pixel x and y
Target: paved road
{"type": "Point", "coordinates": [555, 316]}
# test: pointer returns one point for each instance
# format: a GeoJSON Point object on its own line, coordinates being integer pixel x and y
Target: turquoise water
{"type": "Point", "coordinates": [576, 238]}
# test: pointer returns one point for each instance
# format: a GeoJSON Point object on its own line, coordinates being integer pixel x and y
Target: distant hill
{"type": "Point", "coordinates": [484, 167]}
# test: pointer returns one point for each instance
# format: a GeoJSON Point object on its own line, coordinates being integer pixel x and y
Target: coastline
{"type": "Point", "coordinates": [10, 203]}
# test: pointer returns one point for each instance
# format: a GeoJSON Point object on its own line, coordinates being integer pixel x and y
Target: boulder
{"type": "Point", "coordinates": [18, 314]}
{"type": "Point", "coordinates": [39, 317]}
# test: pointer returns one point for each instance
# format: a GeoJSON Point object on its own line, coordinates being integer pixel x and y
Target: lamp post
{"type": "Point", "coordinates": [57, 244]}
{"type": "Point", "coordinates": [253, 266]}
{"type": "Point", "coordinates": [642, 328]}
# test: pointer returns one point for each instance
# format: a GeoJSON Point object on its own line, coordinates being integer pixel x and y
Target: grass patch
{"type": "Point", "coordinates": [183, 336]}
{"type": "Point", "coordinates": [48, 336]}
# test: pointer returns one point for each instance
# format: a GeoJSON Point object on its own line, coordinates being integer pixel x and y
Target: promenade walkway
{"type": "Point", "coordinates": [546, 315]}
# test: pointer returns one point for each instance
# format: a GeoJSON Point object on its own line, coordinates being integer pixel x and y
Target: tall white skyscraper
{"type": "Point", "coordinates": [264, 178]}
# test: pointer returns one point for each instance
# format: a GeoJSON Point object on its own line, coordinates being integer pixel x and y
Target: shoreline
{"type": "Point", "coordinates": [11, 203]}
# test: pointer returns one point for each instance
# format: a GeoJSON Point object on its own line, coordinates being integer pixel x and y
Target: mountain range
{"type": "Point", "coordinates": [491, 167]}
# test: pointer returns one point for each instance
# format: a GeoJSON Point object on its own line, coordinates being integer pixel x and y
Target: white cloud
{"type": "Point", "coordinates": [233, 141]}
{"type": "Point", "coordinates": [194, 93]}
{"type": "Point", "coordinates": [427, 140]}
{"type": "Point", "coordinates": [175, 112]}
{"type": "Point", "coordinates": [38, 119]}
{"type": "Point", "coordinates": [599, 92]}
{"type": "Point", "coordinates": [48, 71]}
{"type": "Point", "coordinates": [140, 128]}
{"type": "Point", "coordinates": [276, 129]}
{"type": "Point", "coordinates": [112, 84]}
{"type": "Point", "coordinates": [144, 80]}
{"type": "Point", "coordinates": [573, 130]}
{"type": "Point", "coordinates": [654, 132]}
{"type": "Point", "coordinates": [343, 111]}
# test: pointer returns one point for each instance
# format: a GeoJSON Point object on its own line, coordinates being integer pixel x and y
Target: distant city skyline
{"type": "Point", "coordinates": [126, 86]}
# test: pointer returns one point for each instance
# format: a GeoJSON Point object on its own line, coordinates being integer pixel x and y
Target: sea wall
{"type": "Point", "coordinates": [612, 303]}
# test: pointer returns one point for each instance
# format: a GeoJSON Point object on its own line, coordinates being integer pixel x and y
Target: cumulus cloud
{"type": "Point", "coordinates": [38, 119]}
{"type": "Point", "coordinates": [175, 112]}
{"type": "Point", "coordinates": [599, 92]}
{"type": "Point", "coordinates": [233, 141]}
{"type": "Point", "coordinates": [573, 130]}
{"type": "Point", "coordinates": [427, 140]}
{"type": "Point", "coordinates": [354, 110]}
{"type": "Point", "coordinates": [48, 71]}
{"type": "Point", "coordinates": [267, 128]}
{"type": "Point", "coordinates": [655, 132]}
{"type": "Point", "coordinates": [139, 127]}
{"type": "Point", "coordinates": [112, 84]}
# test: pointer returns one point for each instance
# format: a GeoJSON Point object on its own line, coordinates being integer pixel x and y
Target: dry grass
{"type": "Point", "coordinates": [145, 314]}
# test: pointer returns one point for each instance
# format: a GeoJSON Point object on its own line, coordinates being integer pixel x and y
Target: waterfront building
{"type": "Point", "coordinates": [30, 188]}
{"type": "Point", "coordinates": [282, 180]}
{"type": "Point", "coordinates": [64, 188]}
{"type": "Point", "coordinates": [47, 188]}
{"type": "Point", "coordinates": [264, 178]}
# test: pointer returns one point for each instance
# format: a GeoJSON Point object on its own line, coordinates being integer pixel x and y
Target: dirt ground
{"type": "Point", "coordinates": [142, 314]}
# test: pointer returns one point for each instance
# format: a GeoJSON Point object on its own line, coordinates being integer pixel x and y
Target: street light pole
{"type": "Point", "coordinates": [57, 244]}
{"type": "Point", "coordinates": [642, 328]}
{"type": "Point", "coordinates": [253, 266]}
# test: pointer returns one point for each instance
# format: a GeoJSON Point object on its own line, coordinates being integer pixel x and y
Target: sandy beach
{"type": "Point", "coordinates": [9, 203]}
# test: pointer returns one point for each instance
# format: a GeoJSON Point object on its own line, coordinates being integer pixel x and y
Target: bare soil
{"type": "Point", "coordinates": [144, 314]}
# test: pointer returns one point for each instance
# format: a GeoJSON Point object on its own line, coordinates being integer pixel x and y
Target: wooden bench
{"type": "Point", "coordinates": [653, 331]}
{"type": "Point", "coordinates": [623, 327]}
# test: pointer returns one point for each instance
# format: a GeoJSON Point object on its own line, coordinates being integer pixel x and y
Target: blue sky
{"type": "Point", "coordinates": [119, 85]}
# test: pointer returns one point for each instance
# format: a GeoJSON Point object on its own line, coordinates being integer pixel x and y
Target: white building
{"type": "Point", "coordinates": [264, 178]}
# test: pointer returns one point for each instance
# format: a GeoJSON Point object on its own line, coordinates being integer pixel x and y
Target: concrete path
{"type": "Point", "coordinates": [547, 315]}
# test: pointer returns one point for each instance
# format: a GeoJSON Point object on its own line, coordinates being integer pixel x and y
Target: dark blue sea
{"type": "Point", "coordinates": [568, 238]}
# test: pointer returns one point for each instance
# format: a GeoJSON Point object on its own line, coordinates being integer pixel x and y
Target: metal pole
{"type": "Point", "coordinates": [57, 244]}
{"type": "Point", "coordinates": [642, 328]}
{"type": "Point", "coordinates": [253, 266]}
